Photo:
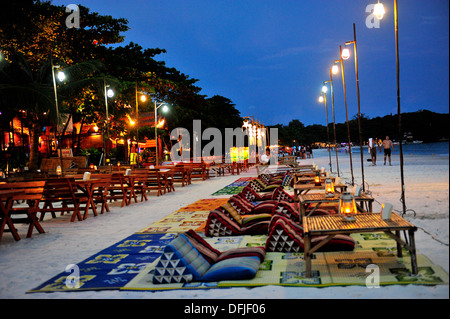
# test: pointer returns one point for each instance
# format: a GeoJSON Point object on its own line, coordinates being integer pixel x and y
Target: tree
{"type": "Point", "coordinates": [21, 88]}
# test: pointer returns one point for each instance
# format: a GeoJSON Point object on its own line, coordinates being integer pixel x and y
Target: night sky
{"type": "Point", "coordinates": [271, 57]}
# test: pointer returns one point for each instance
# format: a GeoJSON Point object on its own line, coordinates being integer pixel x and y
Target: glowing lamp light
{"type": "Point", "coordinates": [61, 76]}
{"type": "Point", "coordinates": [347, 207]}
{"type": "Point", "coordinates": [346, 54]}
{"type": "Point", "coordinates": [329, 187]}
{"type": "Point", "coordinates": [95, 128]}
{"type": "Point", "coordinates": [321, 99]}
{"type": "Point", "coordinates": [335, 69]}
{"type": "Point", "coordinates": [143, 98]}
{"type": "Point", "coordinates": [110, 93]}
{"type": "Point", "coordinates": [324, 89]}
{"type": "Point", "coordinates": [317, 179]}
{"type": "Point", "coordinates": [58, 170]}
{"type": "Point", "coordinates": [165, 108]}
{"type": "Point", "coordinates": [379, 11]}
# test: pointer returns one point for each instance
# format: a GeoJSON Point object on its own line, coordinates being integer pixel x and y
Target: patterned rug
{"type": "Point", "coordinates": [235, 187]}
{"type": "Point", "coordinates": [373, 262]}
{"type": "Point", "coordinates": [129, 264]}
{"type": "Point", "coordinates": [111, 268]}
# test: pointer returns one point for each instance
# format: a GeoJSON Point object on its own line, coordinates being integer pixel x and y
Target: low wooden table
{"type": "Point", "coordinates": [332, 225]}
{"type": "Point", "coordinates": [320, 198]}
{"type": "Point", "coordinates": [301, 189]}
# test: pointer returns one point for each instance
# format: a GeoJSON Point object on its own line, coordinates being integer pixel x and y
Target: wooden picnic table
{"type": "Point", "coordinates": [87, 188]}
{"type": "Point", "coordinates": [306, 200]}
{"type": "Point", "coordinates": [27, 196]}
{"type": "Point", "coordinates": [7, 198]}
{"type": "Point", "coordinates": [332, 225]}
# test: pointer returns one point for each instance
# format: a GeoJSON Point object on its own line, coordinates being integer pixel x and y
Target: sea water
{"type": "Point", "coordinates": [435, 149]}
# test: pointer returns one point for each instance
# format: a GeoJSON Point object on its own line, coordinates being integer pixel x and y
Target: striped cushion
{"type": "Point", "coordinates": [206, 250]}
{"type": "Point", "coordinates": [244, 252]}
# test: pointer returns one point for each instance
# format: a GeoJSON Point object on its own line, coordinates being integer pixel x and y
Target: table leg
{"type": "Point", "coordinates": [399, 245]}
{"type": "Point", "coordinates": [412, 252]}
{"type": "Point", "coordinates": [307, 255]}
{"type": "Point", "coordinates": [7, 220]}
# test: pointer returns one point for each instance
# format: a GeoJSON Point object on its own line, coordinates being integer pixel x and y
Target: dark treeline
{"type": "Point", "coordinates": [424, 125]}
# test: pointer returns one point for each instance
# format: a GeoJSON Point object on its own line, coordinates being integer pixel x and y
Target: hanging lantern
{"type": "Point", "coordinates": [347, 207]}
{"type": "Point", "coordinates": [329, 187]}
{"type": "Point", "coordinates": [317, 179]}
{"type": "Point", "coordinates": [58, 170]}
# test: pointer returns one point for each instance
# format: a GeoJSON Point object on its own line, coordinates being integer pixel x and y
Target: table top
{"type": "Point", "coordinates": [320, 197]}
{"type": "Point", "coordinates": [364, 223]}
{"type": "Point", "coordinates": [314, 186]}
{"type": "Point", "coordinates": [10, 192]}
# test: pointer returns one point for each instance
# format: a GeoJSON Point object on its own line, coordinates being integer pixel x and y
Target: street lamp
{"type": "Point", "coordinates": [359, 104]}
{"type": "Point", "coordinates": [341, 61]}
{"type": "Point", "coordinates": [164, 109]}
{"type": "Point", "coordinates": [143, 98]}
{"type": "Point", "coordinates": [61, 76]}
{"type": "Point", "coordinates": [334, 70]}
{"type": "Point", "coordinates": [379, 13]}
{"type": "Point", "coordinates": [108, 94]}
{"type": "Point", "coordinates": [324, 99]}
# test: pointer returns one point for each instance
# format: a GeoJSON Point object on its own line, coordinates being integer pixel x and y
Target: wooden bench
{"type": "Point", "coordinates": [31, 196]}
{"type": "Point", "coordinates": [181, 174]}
{"type": "Point", "coordinates": [119, 188]}
{"type": "Point", "coordinates": [60, 191]}
{"type": "Point", "coordinates": [198, 170]}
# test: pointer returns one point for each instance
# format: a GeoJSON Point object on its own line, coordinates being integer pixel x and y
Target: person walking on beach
{"type": "Point", "coordinates": [373, 151]}
{"type": "Point", "coordinates": [387, 145]}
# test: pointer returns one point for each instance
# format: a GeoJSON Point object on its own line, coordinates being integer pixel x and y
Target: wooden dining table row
{"type": "Point", "coordinates": [29, 201]}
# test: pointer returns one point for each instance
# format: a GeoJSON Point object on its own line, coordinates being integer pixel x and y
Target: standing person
{"type": "Point", "coordinates": [373, 150]}
{"type": "Point", "coordinates": [387, 145]}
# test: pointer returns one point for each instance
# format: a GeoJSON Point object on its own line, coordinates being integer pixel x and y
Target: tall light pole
{"type": "Point", "coordinates": [359, 104]}
{"type": "Point", "coordinates": [165, 109]}
{"type": "Point", "coordinates": [323, 98]}
{"type": "Point", "coordinates": [334, 70]}
{"type": "Point", "coordinates": [108, 93]}
{"type": "Point", "coordinates": [341, 61]}
{"type": "Point", "coordinates": [379, 13]}
{"type": "Point", "coordinates": [143, 98]}
{"type": "Point", "coordinates": [61, 77]}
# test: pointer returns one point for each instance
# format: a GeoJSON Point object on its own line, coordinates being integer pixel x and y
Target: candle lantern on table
{"type": "Point", "coordinates": [329, 187]}
{"type": "Point", "coordinates": [317, 179]}
{"type": "Point", "coordinates": [347, 207]}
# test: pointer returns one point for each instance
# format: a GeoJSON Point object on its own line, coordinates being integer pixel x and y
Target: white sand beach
{"type": "Point", "coordinates": [31, 261]}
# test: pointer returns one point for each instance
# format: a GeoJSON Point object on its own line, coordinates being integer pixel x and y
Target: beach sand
{"type": "Point", "coordinates": [31, 261]}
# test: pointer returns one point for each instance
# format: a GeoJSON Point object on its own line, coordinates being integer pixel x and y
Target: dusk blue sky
{"type": "Point", "coordinates": [271, 57]}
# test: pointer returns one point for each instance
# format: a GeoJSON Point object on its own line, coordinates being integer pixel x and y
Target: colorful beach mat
{"type": "Point", "coordinates": [111, 268]}
{"type": "Point", "coordinates": [235, 187]}
{"type": "Point", "coordinates": [373, 263]}
{"type": "Point", "coordinates": [129, 265]}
